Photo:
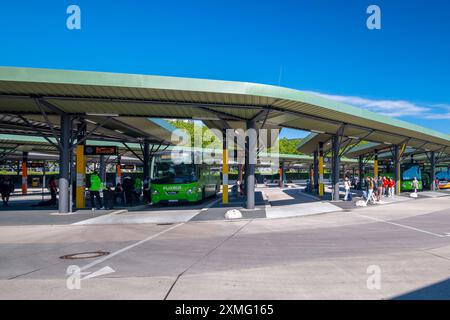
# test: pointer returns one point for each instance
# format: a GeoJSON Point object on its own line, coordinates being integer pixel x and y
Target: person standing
{"type": "Point", "coordinates": [380, 188]}
{"type": "Point", "coordinates": [94, 190]}
{"type": "Point", "coordinates": [138, 189]}
{"type": "Point", "coordinates": [347, 188]}
{"type": "Point", "coordinates": [415, 184]}
{"type": "Point", "coordinates": [391, 187]}
{"type": "Point", "coordinates": [6, 188]}
{"type": "Point", "coordinates": [147, 198]}
{"type": "Point", "coordinates": [128, 190]}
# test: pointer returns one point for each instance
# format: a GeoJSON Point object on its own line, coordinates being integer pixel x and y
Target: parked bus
{"type": "Point", "coordinates": [443, 175]}
{"type": "Point", "coordinates": [175, 178]}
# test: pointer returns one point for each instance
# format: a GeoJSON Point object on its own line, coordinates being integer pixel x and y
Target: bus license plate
{"type": "Point", "coordinates": [173, 201]}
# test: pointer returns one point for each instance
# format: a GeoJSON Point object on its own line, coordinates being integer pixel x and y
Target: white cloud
{"type": "Point", "coordinates": [445, 116]}
{"type": "Point", "coordinates": [392, 108]}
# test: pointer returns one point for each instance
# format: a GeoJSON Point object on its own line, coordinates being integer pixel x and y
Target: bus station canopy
{"type": "Point", "coordinates": [122, 98]}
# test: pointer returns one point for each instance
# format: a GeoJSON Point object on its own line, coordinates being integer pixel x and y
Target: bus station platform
{"type": "Point", "coordinates": [271, 203]}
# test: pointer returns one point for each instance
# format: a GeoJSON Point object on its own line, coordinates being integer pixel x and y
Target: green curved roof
{"type": "Point", "coordinates": [79, 92]}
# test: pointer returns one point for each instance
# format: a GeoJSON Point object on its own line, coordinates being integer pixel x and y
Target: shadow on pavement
{"type": "Point", "coordinates": [437, 291]}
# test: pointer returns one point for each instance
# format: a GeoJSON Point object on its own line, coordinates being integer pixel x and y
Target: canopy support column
{"type": "Point", "coordinates": [103, 169]}
{"type": "Point", "coordinates": [224, 167]}
{"type": "Point", "coordinates": [315, 184]}
{"type": "Point", "coordinates": [321, 184]}
{"type": "Point", "coordinates": [118, 170]}
{"type": "Point", "coordinates": [397, 169]}
{"type": "Point", "coordinates": [375, 164]}
{"type": "Point", "coordinates": [282, 174]}
{"type": "Point", "coordinates": [251, 160]}
{"type": "Point", "coordinates": [80, 200]}
{"type": "Point", "coordinates": [335, 167]}
{"type": "Point", "coordinates": [64, 164]}
{"type": "Point", "coordinates": [360, 171]}
{"type": "Point", "coordinates": [433, 185]}
{"type": "Point", "coordinates": [146, 158]}
{"type": "Point", "coordinates": [24, 172]}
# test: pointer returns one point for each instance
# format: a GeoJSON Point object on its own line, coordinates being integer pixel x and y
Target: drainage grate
{"type": "Point", "coordinates": [85, 255]}
{"type": "Point", "coordinates": [164, 224]}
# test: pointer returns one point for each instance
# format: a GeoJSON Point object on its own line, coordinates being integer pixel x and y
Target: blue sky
{"type": "Point", "coordinates": [321, 46]}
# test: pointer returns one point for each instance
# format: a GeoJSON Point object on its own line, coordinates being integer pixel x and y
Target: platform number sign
{"type": "Point", "coordinates": [100, 150]}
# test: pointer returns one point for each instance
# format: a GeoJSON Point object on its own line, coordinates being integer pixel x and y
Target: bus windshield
{"type": "Point", "coordinates": [411, 172]}
{"type": "Point", "coordinates": [167, 172]}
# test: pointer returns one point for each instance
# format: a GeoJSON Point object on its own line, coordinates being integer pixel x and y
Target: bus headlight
{"type": "Point", "coordinates": [155, 192]}
{"type": "Point", "coordinates": [189, 191]}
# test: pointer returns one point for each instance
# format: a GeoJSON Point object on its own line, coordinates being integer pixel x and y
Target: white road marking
{"type": "Point", "coordinates": [402, 226]}
{"type": "Point", "coordinates": [129, 247]}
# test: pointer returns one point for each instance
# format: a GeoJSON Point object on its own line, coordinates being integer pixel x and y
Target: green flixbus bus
{"type": "Point", "coordinates": [176, 178]}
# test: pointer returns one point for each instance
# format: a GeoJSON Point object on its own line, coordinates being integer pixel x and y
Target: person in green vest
{"type": "Point", "coordinates": [94, 190]}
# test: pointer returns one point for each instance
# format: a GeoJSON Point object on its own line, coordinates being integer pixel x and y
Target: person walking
{"type": "Point", "coordinates": [347, 188]}
{"type": "Point", "coordinates": [370, 188]}
{"type": "Point", "coordinates": [94, 190]}
{"type": "Point", "coordinates": [6, 188]}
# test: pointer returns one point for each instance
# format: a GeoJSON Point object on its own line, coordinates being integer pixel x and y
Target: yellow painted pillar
{"type": "Point", "coordinates": [81, 178]}
{"type": "Point", "coordinates": [321, 184]}
{"type": "Point", "coordinates": [25, 173]}
{"type": "Point", "coordinates": [375, 164]}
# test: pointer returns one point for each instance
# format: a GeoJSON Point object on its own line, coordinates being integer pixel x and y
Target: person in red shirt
{"type": "Point", "coordinates": [391, 187]}
{"type": "Point", "coordinates": [385, 186]}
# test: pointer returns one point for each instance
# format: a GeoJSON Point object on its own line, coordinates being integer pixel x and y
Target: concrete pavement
{"type": "Point", "coordinates": [310, 257]}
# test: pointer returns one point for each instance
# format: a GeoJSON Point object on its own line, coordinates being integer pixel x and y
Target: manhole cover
{"type": "Point", "coordinates": [85, 255]}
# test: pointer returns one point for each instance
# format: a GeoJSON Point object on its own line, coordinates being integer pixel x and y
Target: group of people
{"type": "Point", "coordinates": [375, 188]}
{"type": "Point", "coordinates": [128, 192]}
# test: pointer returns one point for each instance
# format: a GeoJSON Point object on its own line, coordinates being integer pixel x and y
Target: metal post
{"type": "Point", "coordinates": [321, 184]}
{"type": "Point", "coordinates": [251, 144]}
{"type": "Point", "coordinates": [282, 174]}
{"type": "Point", "coordinates": [103, 169]}
{"type": "Point", "coordinates": [118, 170]}
{"type": "Point", "coordinates": [24, 172]}
{"type": "Point", "coordinates": [146, 158]}
{"type": "Point", "coordinates": [316, 171]}
{"type": "Point", "coordinates": [80, 168]}
{"type": "Point", "coordinates": [433, 171]}
{"type": "Point", "coordinates": [224, 168]}
{"type": "Point", "coordinates": [64, 164]}
{"type": "Point", "coordinates": [397, 169]}
{"type": "Point", "coordinates": [43, 181]}
{"type": "Point", "coordinates": [375, 164]}
{"type": "Point", "coordinates": [361, 171]}
{"type": "Point", "coordinates": [336, 165]}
